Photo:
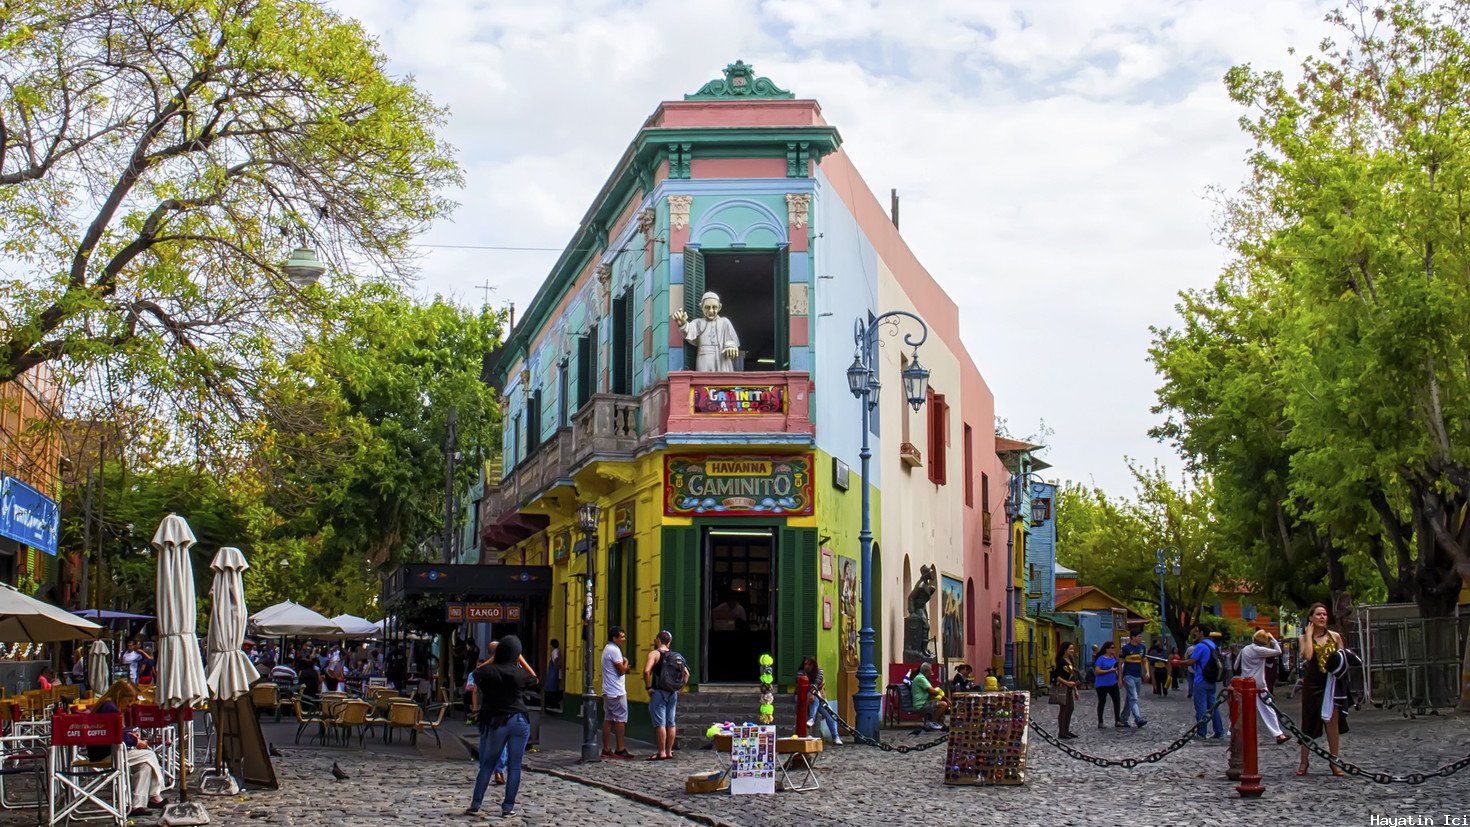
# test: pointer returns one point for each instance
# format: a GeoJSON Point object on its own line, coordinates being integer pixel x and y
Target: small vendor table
{"type": "Point", "coordinates": [802, 760]}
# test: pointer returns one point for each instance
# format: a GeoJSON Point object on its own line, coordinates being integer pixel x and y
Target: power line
{"type": "Point", "coordinates": [493, 247]}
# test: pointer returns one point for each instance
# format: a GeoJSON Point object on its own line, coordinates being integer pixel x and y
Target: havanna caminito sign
{"type": "Point", "coordinates": [738, 485]}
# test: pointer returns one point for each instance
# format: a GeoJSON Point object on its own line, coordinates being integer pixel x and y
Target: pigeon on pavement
{"type": "Point", "coordinates": [338, 774]}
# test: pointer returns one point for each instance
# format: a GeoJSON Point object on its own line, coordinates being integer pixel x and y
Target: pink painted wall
{"type": "Point", "coordinates": [738, 168]}
{"type": "Point", "coordinates": [685, 114]}
{"type": "Point", "coordinates": [976, 404]}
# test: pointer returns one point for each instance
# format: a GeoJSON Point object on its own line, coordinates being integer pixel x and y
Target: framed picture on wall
{"type": "Point", "coordinates": [827, 572]}
{"type": "Point", "coordinates": [827, 612]}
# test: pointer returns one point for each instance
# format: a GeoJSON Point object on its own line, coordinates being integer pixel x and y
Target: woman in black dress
{"type": "Point", "coordinates": [1065, 674]}
{"type": "Point", "coordinates": [1317, 644]}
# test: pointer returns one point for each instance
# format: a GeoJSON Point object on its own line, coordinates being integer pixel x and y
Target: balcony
{"type": "Point", "coordinates": [753, 402]}
{"type": "Point", "coordinates": [606, 428]}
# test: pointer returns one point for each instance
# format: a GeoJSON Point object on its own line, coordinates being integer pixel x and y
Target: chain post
{"type": "Point", "coordinates": [1244, 734]}
{"type": "Point", "coordinates": [803, 691]}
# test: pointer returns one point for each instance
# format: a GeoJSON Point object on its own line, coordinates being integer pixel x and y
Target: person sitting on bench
{"type": "Point", "coordinates": [927, 698]}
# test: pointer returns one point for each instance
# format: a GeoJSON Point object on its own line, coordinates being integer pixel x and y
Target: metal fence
{"type": "Point", "coordinates": [1409, 662]}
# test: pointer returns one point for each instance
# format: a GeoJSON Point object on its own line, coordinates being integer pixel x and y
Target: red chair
{"type": "Point", "coordinates": [81, 788]}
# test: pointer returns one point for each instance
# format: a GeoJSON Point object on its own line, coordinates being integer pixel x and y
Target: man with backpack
{"type": "Point", "coordinates": [665, 672]}
{"type": "Point", "coordinates": [1208, 670]}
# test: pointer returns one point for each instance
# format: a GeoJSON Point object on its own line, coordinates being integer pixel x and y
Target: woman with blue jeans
{"type": "Point", "coordinates": [814, 707]}
{"type": "Point", "coordinates": [503, 719]}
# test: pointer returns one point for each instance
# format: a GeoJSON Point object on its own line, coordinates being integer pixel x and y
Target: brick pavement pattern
{"type": "Point", "coordinates": [864, 786]}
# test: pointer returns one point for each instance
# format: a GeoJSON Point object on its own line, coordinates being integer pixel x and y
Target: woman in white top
{"type": "Point", "coordinates": [1253, 660]}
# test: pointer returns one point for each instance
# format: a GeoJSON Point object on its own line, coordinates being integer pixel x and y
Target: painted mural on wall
{"type": "Point", "coordinates": [952, 612]}
{"type": "Point", "coordinates": [738, 485]}
{"type": "Point", "coordinates": [847, 598]}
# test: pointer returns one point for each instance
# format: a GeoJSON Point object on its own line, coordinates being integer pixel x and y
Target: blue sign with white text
{"type": "Point", "coordinates": [28, 516]}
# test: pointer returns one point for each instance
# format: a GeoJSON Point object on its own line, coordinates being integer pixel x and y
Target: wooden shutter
{"type": "Point", "coordinates": [682, 593]}
{"type": "Point", "coordinates": [630, 592]}
{"type": "Point", "coordinates": [796, 601]}
{"type": "Point", "coordinates": [693, 281]}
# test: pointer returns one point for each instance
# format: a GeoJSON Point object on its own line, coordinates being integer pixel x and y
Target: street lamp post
{"type": "Point", "coordinates": [862, 380]}
{"type": "Point", "coordinates": [587, 517]}
{"type": "Point", "coordinates": [1159, 569]}
{"type": "Point", "coordinates": [1013, 510]}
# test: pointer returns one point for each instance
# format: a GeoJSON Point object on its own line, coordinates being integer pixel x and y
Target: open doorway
{"type": "Point", "coordinates": [752, 294]}
{"type": "Point", "coordinates": [741, 624]}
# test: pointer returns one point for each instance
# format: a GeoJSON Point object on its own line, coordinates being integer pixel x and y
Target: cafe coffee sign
{"type": "Point", "coordinates": [738, 486]}
{"type": "Point", "coordinates": [738, 399]}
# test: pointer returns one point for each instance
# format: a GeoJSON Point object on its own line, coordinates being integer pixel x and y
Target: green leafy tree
{"type": "Point", "coordinates": [1342, 333]}
{"type": "Point", "coordinates": [354, 441]}
{"type": "Point", "coordinates": [1112, 542]}
{"type": "Point", "coordinates": [158, 159]}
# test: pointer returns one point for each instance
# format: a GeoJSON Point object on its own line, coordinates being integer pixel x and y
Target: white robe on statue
{"type": "Point", "coordinates": [712, 338]}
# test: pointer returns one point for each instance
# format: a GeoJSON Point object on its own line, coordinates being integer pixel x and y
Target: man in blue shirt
{"type": "Point", "coordinates": [1135, 671]}
{"type": "Point", "coordinates": [1200, 690]}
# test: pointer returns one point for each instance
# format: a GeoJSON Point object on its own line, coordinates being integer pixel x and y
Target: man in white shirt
{"type": "Point", "coordinates": [614, 694]}
{"type": "Point", "coordinates": [131, 659]}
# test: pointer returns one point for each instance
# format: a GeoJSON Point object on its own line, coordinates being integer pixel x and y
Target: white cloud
{"type": "Point", "coordinates": [1053, 157]}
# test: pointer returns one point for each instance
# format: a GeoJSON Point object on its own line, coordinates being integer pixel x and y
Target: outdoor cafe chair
{"type": "Point", "coordinates": [22, 756]}
{"type": "Point", "coordinates": [69, 692]}
{"type": "Point", "coordinates": [404, 715]}
{"type": "Point", "coordinates": [427, 725]}
{"type": "Point", "coordinates": [82, 789]}
{"type": "Point", "coordinates": [267, 696]}
{"type": "Point", "coordinates": [350, 715]}
{"type": "Point", "coordinates": [306, 715]}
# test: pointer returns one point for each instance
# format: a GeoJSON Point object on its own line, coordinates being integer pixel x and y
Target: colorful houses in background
{"type": "Point", "coordinates": [730, 499]}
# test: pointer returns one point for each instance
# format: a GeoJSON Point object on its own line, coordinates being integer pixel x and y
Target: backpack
{"type": "Point", "coordinates": [1214, 668]}
{"type": "Point", "coordinates": [669, 675]}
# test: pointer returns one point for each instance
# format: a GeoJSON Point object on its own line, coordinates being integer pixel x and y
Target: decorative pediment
{"type": "Point", "coordinates": [739, 82]}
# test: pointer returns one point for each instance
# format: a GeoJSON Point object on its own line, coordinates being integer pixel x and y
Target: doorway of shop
{"type": "Point", "coordinates": [741, 623]}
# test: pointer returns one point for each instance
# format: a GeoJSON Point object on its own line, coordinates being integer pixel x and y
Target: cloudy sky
{"type": "Point", "coordinates": [1055, 159]}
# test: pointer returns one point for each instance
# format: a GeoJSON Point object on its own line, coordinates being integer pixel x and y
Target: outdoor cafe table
{"type": "Point", "coordinates": [801, 758]}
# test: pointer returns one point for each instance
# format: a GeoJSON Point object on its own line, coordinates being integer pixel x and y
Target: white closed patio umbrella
{"type": "Point", "coordinates": [230, 670]}
{"type": "Point", "coordinates": [99, 667]}
{"type": "Point", "coordinates": [180, 678]}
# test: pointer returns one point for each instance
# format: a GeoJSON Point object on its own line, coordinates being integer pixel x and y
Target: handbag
{"type": "Point", "coordinates": [1057, 696]}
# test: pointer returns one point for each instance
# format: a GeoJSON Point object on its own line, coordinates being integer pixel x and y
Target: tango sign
{"type": "Point", "coordinates": [738, 399]}
{"type": "Point", "coordinates": [482, 612]}
{"type": "Point", "coordinates": [742, 486]}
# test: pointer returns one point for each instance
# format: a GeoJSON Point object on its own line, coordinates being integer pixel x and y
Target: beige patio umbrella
{"type": "Point", "coordinates": [230, 670]}
{"type": "Point", "coordinates": [23, 617]}
{"type": "Point", "coordinates": [181, 681]}
{"type": "Point", "coordinates": [99, 667]}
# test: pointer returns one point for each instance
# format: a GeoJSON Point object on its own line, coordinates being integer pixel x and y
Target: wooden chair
{"type": "Point", "coordinates": [426, 725]}
{"type": "Point", "coordinates": [306, 715]}
{"type": "Point", "coordinates": [404, 715]}
{"type": "Point", "coordinates": [69, 692]}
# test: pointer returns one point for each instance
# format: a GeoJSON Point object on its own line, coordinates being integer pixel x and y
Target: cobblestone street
{"type": "Point", "coordinates": [401, 784]}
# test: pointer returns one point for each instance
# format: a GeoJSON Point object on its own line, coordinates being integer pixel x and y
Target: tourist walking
{"type": "Point", "coordinates": [614, 694]}
{"type": "Point", "coordinates": [1105, 670]}
{"type": "Point", "coordinates": [1204, 680]}
{"type": "Point", "coordinates": [1065, 674]}
{"type": "Point", "coordinates": [664, 674]}
{"type": "Point", "coordinates": [816, 704]}
{"type": "Point", "coordinates": [1256, 659]}
{"type": "Point", "coordinates": [1135, 672]}
{"type": "Point", "coordinates": [503, 720]}
{"type": "Point", "coordinates": [1321, 650]}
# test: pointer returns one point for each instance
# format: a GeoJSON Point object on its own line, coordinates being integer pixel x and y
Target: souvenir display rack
{"type": "Point", "coordinates": [988, 738]}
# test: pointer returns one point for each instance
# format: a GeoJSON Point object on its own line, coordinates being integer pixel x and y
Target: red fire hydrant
{"type": "Point", "coordinates": [1245, 730]}
{"type": "Point", "coordinates": [803, 693]}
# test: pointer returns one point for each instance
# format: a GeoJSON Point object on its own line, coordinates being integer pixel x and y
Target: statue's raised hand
{"type": "Point", "coordinates": [680, 317]}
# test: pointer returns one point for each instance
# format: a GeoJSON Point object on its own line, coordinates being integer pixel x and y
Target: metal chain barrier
{"type": "Point", "coordinates": [1130, 763]}
{"type": "Point", "coordinates": [874, 742]}
{"type": "Point", "coordinates": [1353, 769]}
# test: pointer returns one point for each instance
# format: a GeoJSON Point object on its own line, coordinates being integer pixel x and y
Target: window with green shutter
{"type": "Point", "coordinates": [796, 595]}
{"type": "Point", "coordinates": [681, 594]}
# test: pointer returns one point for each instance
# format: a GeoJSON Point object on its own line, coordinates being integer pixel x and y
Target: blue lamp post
{"type": "Point", "coordinates": [1159, 569]}
{"type": "Point", "coordinates": [862, 380]}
